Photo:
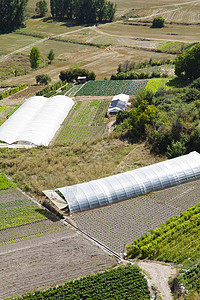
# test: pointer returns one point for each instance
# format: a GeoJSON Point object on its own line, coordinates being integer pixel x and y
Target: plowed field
{"type": "Point", "coordinates": [121, 223]}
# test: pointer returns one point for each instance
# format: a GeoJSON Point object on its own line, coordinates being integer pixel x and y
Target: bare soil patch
{"type": "Point", "coordinates": [49, 260]}
{"type": "Point", "coordinates": [158, 275]}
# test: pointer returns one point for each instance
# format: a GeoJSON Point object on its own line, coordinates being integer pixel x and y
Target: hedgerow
{"type": "Point", "coordinates": [12, 91]}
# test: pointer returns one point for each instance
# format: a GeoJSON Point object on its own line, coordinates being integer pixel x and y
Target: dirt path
{"type": "Point", "coordinates": [158, 275]}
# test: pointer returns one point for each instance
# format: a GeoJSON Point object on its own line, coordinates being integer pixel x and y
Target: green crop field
{"type": "Point", "coordinates": [86, 123]}
{"type": "Point", "coordinates": [177, 240]}
{"type": "Point", "coordinates": [125, 282]}
{"type": "Point", "coordinates": [111, 87]}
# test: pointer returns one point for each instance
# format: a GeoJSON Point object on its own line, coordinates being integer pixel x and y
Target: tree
{"type": "Point", "coordinates": [35, 58]}
{"type": "Point", "coordinates": [51, 56]}
{"type": "Point", "coordinates": [187, 64]}
{"type": "Point", "coordinates": [12, 14]}
{"type": "Point", "coordinates": [43, 79]}
{"type": "Point", "coordinates": [41, 8]}
{"type": "Point", "coordinates": [158, 22]}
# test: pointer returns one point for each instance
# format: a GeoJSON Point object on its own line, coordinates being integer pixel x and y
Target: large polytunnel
{"type": "Point", "coordinates": [36, 121]}
{"type": "Point", "coordinates": [104, 191]}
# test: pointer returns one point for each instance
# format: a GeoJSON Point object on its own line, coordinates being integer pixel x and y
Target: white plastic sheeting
{"type": "Point", "coordinates": [122, 97]}
{"type": "Point", "coordinates": [36, 121]}
{"type": "Point", "coordinates": [130, 184]}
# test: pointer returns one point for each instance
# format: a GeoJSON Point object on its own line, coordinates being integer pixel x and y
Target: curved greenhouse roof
{"type": "Point", "coordinates": [130, 184]}
{"type": "Point", "coordinates": [36, 121]}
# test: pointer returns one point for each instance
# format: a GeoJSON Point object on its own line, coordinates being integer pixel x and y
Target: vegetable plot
{"type": "Point", "coordinates": [169, 242]}
{"type": "Point", "coordinates": [86, 123]}
{"type": "Point", "coordinates": [111, 87]}
{"type": "Point", "coordinates": [125, 282]}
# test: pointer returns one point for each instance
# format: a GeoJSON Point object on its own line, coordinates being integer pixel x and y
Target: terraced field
{"type": "Point", "coordinates": [86, 122]}
{"type": "Point", "coordinates": [121, 223]}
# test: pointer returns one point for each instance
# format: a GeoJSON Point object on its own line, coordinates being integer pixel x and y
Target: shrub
{"type": "Point", "coordinates": [158, 22]}
{"type": "Point", "coordinates": [43, 79]}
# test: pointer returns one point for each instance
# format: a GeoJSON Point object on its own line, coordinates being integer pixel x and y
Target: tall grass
{"type": "Point", "coordinates": [42, 168]}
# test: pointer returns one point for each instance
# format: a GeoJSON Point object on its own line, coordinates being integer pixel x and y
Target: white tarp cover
{"type": "Point", "coordinates": [130, 184]}
{"type": "Point", "coordinates": [36, 121]}
{"type": "Point", "coordinates": [122, 97]}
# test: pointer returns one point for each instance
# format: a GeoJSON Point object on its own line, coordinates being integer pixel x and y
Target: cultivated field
{"type": "Point", "coordinates": [121, 223]}
{"type": "Point", "coordinates": [86, 122]}
{"type": "Point", "coordinates": [37, 250]}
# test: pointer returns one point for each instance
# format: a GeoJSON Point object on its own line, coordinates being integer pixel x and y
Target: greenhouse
{"type": "Point", "coordinates": [104, 191]}
{"type": "Point", "coordinates": [36, 121]}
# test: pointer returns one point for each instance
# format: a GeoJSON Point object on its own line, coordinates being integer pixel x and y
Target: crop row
{"type": "Point", "coordinates": [85, 114]}
{"type": "Point", "coordinates": [125, 282]}
{"type": "Point", "coordinates": [169, 242]}
{"type": "Point", "coordinates": [111, 87]}
{"type": "Point", "coordinates": [5, 183]}
{"type": "Point", "coordinates": [10, 217]}
{"type": "Point", "coordinates": [30, 230]}
{"type": "Point", "coordinates": [191, 278]}
{"type": "Point", "coordinates": [78, 134]}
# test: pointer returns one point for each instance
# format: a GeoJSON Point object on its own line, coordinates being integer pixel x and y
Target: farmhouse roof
{"type": "Point", "coordinates": [36, 121]}
{"type": "Point", "coordinates": [104, 191]}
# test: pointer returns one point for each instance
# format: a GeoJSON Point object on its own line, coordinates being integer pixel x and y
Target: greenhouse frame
{"type": "Point", "coordinates": [36, 121]}
{"type": "Point", "coordinates": [108, 190]}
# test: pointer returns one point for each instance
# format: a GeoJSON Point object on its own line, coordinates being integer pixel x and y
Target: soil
{"type": "Point", "coordinates": [49, 260]}
{"type": "Point", "coordinates": [158, 275]}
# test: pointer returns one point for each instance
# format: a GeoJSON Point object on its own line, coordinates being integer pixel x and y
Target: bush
{"type": "Point", "coordinates": [12, 91]}
{"type": "Point", "coordinates": [72, 74]}
{"type": "Point", "coordinates": [187, 64]}
{"type": "Point", "coordinates": [43, 79]}
{"type": "Point", "coordinates": [158, 22]}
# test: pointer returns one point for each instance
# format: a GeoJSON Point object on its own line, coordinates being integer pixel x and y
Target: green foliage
{"type": "Point", "coordinates": [43, 79]}
{"type": "Point", "coordinates": [51, 56]}
{"type": "Point", "coordinates": [111, 87]}
{"type": "Point", "coordinates": [125, 282]}
{"type": "Point", "coordinates": [5, 183]}
{"type": "Point", "coordinates": [187, 64]}
{"type": "Point", "coordinates": [72, 74]}
{"type": "Point", "coordinates": [175, 241]}
{"type": "Point", "coordinates": [12, 14]}
{"type": "Point", "coordinates": [191, 278]}
{"type": "Point", "coordinates": [12, 91]}
{"type": "Point", "coordinates": [83, 11]}
{"type": "Point", "coordinates": [51, 88]}
{"type": "Point", "coordinates": [176, 47]}
{"type": "Point", "coordinates": [158, 22]}
{"type": "Point", "coordinates": [86, 123]}
{"type": "Point", "coordinates": [41, 8]}
{"type": "Point", "coordinates": [35, 58]}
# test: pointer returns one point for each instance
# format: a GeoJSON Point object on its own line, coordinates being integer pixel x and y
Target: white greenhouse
{"type": "Point", "coordinates": [104, 191]}
{"type": "Point", "coordinates": [36, 121]}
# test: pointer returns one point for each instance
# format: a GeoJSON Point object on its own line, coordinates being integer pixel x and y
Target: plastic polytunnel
{"type": "Point", "coordinates": [130, 184]}
{"type": "Point", "coordinates": [36, 121]}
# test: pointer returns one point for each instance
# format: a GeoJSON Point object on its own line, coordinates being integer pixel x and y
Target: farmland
{"type": "Point", "coordinates": [86, 123]}
{"type": "Point", "coordinates": [111, 87]}
{"type": "Point", "coordinates": [122, 283]}
{"type": "Point", "coordinates": [137, 216]}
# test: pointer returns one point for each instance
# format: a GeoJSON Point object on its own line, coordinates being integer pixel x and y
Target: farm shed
{"type": "Point", "coordinates": [36, 121]}
{"type": "Point", "coordinates": [108, 190]}
{"type": "Point", "coordinates": [119, 102]}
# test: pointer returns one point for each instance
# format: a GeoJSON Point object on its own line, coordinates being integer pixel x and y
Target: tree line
{"type": "Point", "coordinates": [12, 14]}
{"type": "Point", "coordinates": [83, 11]}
